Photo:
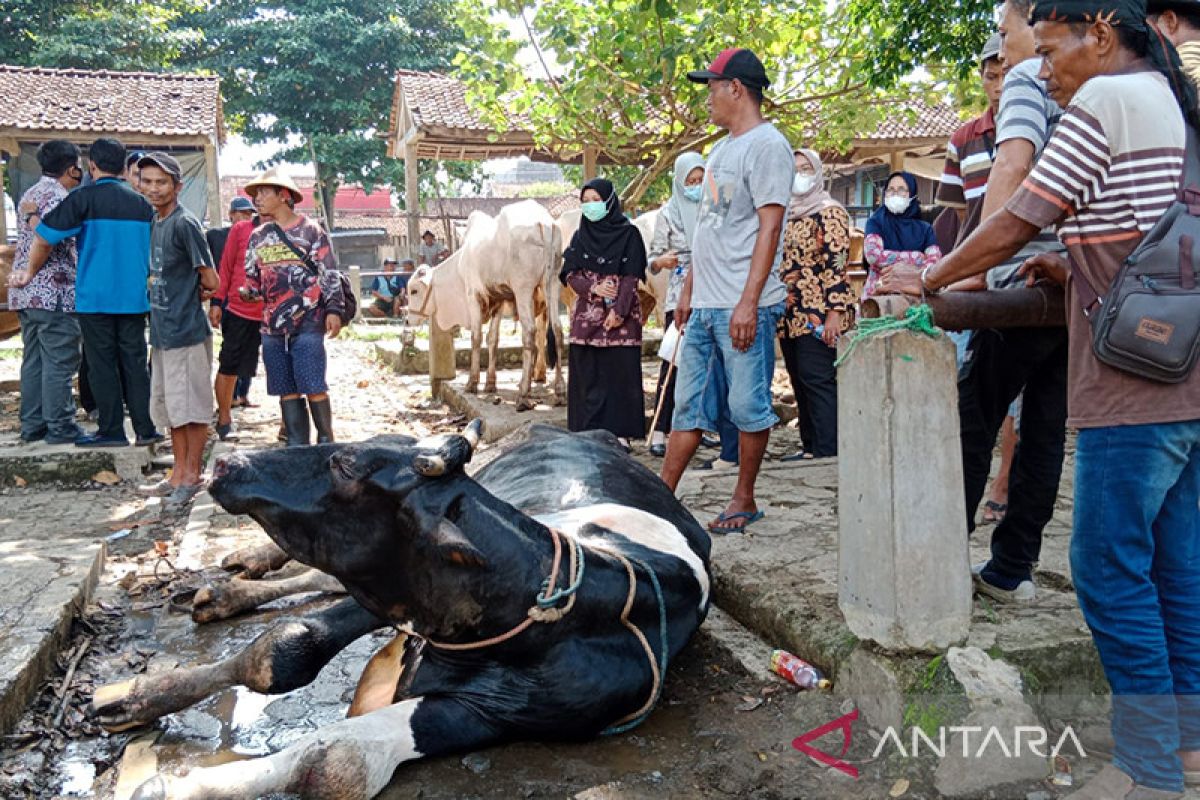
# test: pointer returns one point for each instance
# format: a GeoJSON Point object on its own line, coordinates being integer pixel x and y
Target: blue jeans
{"type": "Point", "coordinates": [1135, 559]}
{"type": "Point", "coordinates": [49, 362]}
{"type": "Point", "coordinates": [707, 355]}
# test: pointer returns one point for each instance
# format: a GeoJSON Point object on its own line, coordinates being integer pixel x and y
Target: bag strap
{"type": "Point", "coordinates": [287, 241]}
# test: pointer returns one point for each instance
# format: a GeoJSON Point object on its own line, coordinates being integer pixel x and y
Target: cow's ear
{"type": "Point", "coordinates": [454, 546]}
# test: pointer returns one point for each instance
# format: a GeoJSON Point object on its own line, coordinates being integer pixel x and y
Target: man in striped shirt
{"type": "Point", "coordinates": [1112, 167]}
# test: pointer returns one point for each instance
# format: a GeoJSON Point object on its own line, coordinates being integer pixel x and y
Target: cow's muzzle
{"type": "Point", "coordinates": [448, 454]}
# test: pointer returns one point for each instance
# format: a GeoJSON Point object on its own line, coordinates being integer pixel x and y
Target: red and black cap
{"type": "Point", "coordinates": [735, 63]}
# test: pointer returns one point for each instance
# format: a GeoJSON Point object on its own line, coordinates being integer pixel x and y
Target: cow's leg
{"type": "Point", "coordinates": [257, 560]}
{"type": "Point", "coordinates": [286, 657]}
{"type": "Point", "coordinates": [225, 600]}
{"type": "Point", "coordinates": [353, 759]}
{"type": "Point", "coordinates": [476, 343]}
{"type": "Point", "coordinates": [493, 353]}
{"type": "Point", "coordinates": [528, 350]}
{"type": "Point", "coordinates": [539, 350]}
{"type": "Point", "coordinates": [552, 319]}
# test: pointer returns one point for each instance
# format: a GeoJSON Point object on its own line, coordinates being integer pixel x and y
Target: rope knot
{"type": "Point", "coordinates": [547, 614]}
{"type": "Point", "coordinates": [917, 319]}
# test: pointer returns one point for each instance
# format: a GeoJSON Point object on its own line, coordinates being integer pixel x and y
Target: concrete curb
{"type": "Point", "coordinates": [46, 611]}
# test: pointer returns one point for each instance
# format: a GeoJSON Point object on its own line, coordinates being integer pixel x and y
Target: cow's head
{"type": "Point", "coordinates": [396, 520]}
{"type": "Point", "coordinates": [421, 304]}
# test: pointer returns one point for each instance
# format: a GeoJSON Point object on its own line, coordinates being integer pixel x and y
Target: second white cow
{"type": "Point", "coordinates": [511, 258]}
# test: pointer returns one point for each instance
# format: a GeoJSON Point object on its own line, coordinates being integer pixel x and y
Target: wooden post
{"type": "Point", "coordinates": [590, 157]}
{"type": "Point", "coordinates": [214, 185]}
{"type": "Point", "coordinates": [904, 577]}
{"type": "Point", "coordinates": [441, 358]}
{"type": "Point", "coordinates": [3, 213]}
{"type": "Point", "coordinates": [896, 161]}
{"type": "Point", "coordinates": [412, 200]}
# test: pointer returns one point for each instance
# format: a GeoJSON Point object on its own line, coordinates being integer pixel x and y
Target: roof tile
{"type": "Point", "coordinates": [162, 104]}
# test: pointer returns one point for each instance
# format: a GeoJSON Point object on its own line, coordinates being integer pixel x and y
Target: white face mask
{"type": "Point", "coordinates": [802, 184]}
{"type": "Point", "coordinates": [897, 205]}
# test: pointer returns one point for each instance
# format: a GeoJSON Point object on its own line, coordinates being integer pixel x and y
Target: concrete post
{"type": "Point", "coordinates": [441, 358]}
{"type": "Point", "coordinates": [356, 286]}
{"type": "Point", "coordinates": [412, 196]}
{"type": "Point", "coordinates": [903, 567]}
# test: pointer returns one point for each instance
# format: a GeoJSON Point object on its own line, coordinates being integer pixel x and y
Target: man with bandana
{"type": "Point", "coordinates": [1111, 169]}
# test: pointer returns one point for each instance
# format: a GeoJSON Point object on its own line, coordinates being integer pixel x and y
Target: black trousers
{"type": "Point", "coordinates": [809, 363]}
{"type": "Point", "coordinates": [1000, 364]}
{"type": "Point", "coordinates": [115, 348]}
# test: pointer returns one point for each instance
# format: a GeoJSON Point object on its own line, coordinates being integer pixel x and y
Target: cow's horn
{"type": "Point", "coordinates": [451, 453]}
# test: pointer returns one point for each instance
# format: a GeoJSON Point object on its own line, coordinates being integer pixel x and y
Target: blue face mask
{"type": "Point", "coordinates": [595, 210]}
{"type": "Point", "coordinates": [693, 192]}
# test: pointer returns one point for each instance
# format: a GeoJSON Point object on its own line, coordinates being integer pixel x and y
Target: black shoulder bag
{"type": "Point", "coordinates": [1148, 322]}
{"type": "Point", "coordinates": [349, 301]}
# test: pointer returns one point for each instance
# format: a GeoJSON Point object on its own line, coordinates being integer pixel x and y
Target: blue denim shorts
{"type": "Point", "coordinates": [295, 364]}
{"type": "Point", "coordinates": [709, 367]}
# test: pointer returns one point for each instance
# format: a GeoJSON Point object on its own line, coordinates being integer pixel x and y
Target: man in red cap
{"type": "Point", "coordinates": [732, 297]}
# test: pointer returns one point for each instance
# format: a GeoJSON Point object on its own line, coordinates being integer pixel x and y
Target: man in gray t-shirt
{"type": "Point", "coordinates": [732, 297]}
{"type": "Point", "coordinates": [743, 174]}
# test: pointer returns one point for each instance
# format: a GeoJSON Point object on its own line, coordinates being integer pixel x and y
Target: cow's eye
{"type": "Point", "coordinates": [343, 465]}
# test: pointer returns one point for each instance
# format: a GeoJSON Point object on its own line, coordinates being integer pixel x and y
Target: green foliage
{"type": "Point", "coordinates": [100, 34]}
{"type": "Point", "coordinates": [943, 36]}
{"type": "Point", "coordinates": [321, 73]}
{"type": "Point", "coordinates": [615, 74]}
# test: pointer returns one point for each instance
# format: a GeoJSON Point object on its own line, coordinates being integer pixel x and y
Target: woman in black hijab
{"type": "Point", "coordinates": [603, 265]}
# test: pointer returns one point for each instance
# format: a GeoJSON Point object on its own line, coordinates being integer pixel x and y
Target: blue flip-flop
{"type": "Point", "coordinates": [750, 518]}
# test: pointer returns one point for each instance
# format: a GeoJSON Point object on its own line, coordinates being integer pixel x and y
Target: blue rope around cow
{"type": "Point", "coordinates": [545, 600]}
{"type": "Point", "coordinates": [658, 669]}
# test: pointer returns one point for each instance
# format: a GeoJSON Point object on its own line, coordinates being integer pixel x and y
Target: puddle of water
{"type": "Point", "coordinates": [78, 775]}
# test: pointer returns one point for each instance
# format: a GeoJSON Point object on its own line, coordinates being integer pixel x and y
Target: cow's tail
{"type": "Point", "coordinates": [553, 290]}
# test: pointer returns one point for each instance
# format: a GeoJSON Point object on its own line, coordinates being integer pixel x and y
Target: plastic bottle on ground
{"type": "Point", "coordinates": [797, 671]}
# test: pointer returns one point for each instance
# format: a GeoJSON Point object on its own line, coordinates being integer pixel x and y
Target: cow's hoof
{"type": "Point", "coordinates": [115, 707]}
{"type": "Point", "coordinates": [153, 789]}
{"type": "Point", "coordinates": [255, 561]}
{"type": "Point", "coordinates": [214, 603]}
{"type": "Point", "coordinates": [525, 404]}
{"type": "Point", "coordinates": [472, 388]}
{"type": "Point", "coordinates": [489, 388]}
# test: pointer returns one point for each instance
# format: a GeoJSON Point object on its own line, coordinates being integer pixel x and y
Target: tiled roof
{"type": "Point", "coordinates": [915, 119]}
{"type": "Point", "coordinates": [439, 100]}
{"type": "Point", "coordinates": [160, 104]}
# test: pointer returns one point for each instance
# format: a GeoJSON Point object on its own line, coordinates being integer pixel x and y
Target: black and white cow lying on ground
{"type": "Point", "coordinates": [531, 599]}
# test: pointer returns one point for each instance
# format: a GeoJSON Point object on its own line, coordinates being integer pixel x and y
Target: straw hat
{"type": "Point", "coordinates": [273, 177]}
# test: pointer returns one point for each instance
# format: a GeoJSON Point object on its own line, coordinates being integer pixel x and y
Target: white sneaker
{"type": "Point", "coordinates": [718, 464]}
{"type": "Point", "coordinates": [1024, 593]}
{"type": "Point", "coordinates": [161, 489]}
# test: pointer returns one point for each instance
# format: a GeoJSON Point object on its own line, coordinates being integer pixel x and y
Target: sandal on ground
{"type": "Point", "coordinates": [749, 517]}
{"type": "Point", "coordinates": [993, 512]}
{"type": "Point", "coordinates": [801, 455]}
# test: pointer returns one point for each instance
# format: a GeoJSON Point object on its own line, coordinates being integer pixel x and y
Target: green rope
{"type": "Point", "coordinates": [918, 319]}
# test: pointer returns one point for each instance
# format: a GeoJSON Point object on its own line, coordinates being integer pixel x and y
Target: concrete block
{"type": "Point", "coordinates": [903, 567]}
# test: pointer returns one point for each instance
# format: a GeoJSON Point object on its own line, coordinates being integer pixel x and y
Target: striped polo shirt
{"type": "Point", "coordinates": [112, 223]}
{"type": "Point", "coordinates": [1026, 112]}
{"type": "Point", "coordinates": [968, 163]}
{"type": "Point", "coordinates": [1112, 167]}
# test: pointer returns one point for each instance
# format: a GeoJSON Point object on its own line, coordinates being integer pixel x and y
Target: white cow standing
{"type": "Point", "coordinates": [511, 258]}
{"type": "Point", "coordinates": [654, 285]}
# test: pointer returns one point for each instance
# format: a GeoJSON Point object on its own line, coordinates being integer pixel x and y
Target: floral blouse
{"type": "Point", "coordinates": [590, 311]}
{"type": "Point", "coordinates": [815, 251]}
{"type": "Point", "coordinates": [877, 257]}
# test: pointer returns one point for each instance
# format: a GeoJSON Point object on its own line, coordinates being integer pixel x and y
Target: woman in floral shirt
{"type": "Point", "coordinates": [816, 244]}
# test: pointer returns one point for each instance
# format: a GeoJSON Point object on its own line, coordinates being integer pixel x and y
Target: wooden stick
{"type": "Point", "coordinates": [662, 396]}
{"type": "Point", "coordinates": [60, 704]}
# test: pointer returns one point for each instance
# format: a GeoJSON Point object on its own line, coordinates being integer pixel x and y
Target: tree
{"type": "Point", "coordinates": [101, 34]}
{"type": "Point", "coordinates": [320, 73]}
{"type": "Point", "coordinates": [613, 73]}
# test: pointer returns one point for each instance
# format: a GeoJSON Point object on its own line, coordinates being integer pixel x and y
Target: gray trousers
{"type": "Point", "coordinates": [50, 361]}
